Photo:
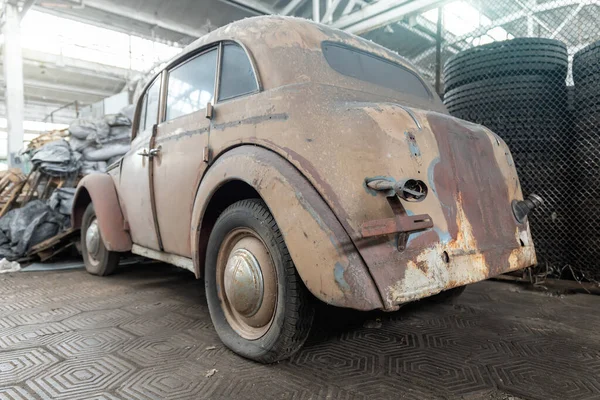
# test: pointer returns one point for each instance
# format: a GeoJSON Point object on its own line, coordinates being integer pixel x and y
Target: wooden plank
{"type": "Point", "coordinates": [14, 195]}
{"type": "Point", "coordinates": [32, 188]}
{"type": "Point", "coordinates": [53, 241]}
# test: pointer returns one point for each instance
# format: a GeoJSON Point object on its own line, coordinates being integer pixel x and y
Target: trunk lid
{"type": "Point", "coordinates": [471, 180]}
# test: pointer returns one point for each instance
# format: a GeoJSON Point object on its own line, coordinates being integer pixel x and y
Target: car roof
{"type": "Point", "coordinates": [287, 50]}
{"type": "Point", "coordinates": [271, 40]}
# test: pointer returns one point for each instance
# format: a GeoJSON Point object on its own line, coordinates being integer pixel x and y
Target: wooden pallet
{"type": "Point", "coordinates": [46, 138]}
{"type": "Point", "coordinates": [55, 245]}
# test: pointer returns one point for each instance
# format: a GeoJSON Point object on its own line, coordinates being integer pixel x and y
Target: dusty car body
{"type": "Point", "coordinates": [382, 198]}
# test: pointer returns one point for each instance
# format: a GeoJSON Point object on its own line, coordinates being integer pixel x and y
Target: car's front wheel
{"type": "Point", "coordinates": [97, 258]}
{"type": "Point", "coordinates": [258, 303]}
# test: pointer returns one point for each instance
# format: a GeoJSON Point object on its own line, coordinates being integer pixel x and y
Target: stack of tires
{"type": "Point", "coordinates": [517, 89]}
{"type": "Point", "coordinates": [586, 116]}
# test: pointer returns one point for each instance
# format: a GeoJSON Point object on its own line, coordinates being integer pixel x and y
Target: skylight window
{"type": "Point", "coordinates": [461, 18]}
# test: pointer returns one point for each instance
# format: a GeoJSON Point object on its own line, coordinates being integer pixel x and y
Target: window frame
{"type": "Point", "coordinates": [377, 57]}
{"type": "Point", "coordinates": [196, 53]}
{"type": "Point", "coordinates": [188, 58]}
{"type": "Point", "coordinates": [142, 105]}
{"type": "Point", "coordinates": [220, 68]}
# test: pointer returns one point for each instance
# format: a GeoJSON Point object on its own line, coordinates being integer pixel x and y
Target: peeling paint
{"type": "Point", "coordinates": [338, 272]}
{"type": "Point", "coordinates": [413, 146]}
{"type": "Point", "coordinates": [430, 175]}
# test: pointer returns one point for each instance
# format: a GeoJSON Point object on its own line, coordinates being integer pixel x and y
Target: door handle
{"type": "Point", "coordinates": [150, 153]}
{"type": "Point", "coordinates": [154, 152]}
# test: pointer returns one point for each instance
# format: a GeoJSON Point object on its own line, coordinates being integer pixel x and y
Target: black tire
{"type": "Point", "coordinates": [293, 311]}
{"type": "Point", "coordinates": [515, 94]}
{"type": "Point", "coordinates": [521, 56]}
{"type": "Point", "coordinates": [447, 296]}
{"type": "Point", "coordinates": [586, 63]}
{"type": "Point", "coordinates": [103, 262]}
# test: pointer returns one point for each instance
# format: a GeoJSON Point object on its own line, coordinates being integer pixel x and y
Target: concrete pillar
{"type": "Point", "coordinates": [13, 79]}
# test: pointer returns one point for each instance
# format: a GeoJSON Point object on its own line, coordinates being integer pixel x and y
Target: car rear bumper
{"type": "Point", "coordinates": [440, 268]}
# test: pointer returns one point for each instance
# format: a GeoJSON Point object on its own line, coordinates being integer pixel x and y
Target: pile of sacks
{"type": "Point", "coordinates": [93, 145]}
{"type": "Point", "coordinates": [100, 141]}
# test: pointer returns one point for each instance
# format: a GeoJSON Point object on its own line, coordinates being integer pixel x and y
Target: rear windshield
{"type": "Point", "coordinates": [373, 69]}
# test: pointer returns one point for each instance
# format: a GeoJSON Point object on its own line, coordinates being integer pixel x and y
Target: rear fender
{"type": "Point", "coordinates": [322, 251]}
{"type": "Point", "coordinates": [99, 189]}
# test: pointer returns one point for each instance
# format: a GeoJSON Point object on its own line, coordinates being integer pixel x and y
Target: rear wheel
{"type": "Point", "coordinates": [258, 303]}
{"type": "Point", "coordinates": [97, 259]}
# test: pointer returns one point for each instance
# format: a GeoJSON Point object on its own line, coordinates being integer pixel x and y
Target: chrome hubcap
{"type": "Point", "coordinates": [244, 282]}
{"type": "Point", "coordinates": [247, 283]}
{"type": "Point", "coordinates": [92, 239]}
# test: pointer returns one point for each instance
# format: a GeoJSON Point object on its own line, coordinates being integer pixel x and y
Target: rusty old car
{"type": "Point", "coordinates": [282, 161]}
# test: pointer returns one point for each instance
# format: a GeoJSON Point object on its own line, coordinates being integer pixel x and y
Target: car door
{"type": "Point", "coordinates": [134, 185]}
{"type": "Point", "coordinates": [181, 141]}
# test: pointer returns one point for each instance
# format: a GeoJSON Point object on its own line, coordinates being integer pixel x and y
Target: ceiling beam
{"type": "Point", "coordinates": [74, 65]}
{"type": "Point", "coordinates": [133, 15]}
{"type": "Point", "coordinates": [255, 7]}
{"type": "Point", "coordinates": [383, 13]}
{"type": "Point", "coordinates": [365, 13]}
{"type": "Point", "coordinates": [26, 7]}
{"type": "Point", "coordinates": [291, 7]}
{"type": "Point", "coordinates": [565, 21]}
{"type": "Point", "coordinates": [330, 10]}
{"type": "Point", "coordinates": [61, 87]}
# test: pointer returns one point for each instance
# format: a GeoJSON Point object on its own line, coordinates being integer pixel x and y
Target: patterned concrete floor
{"type": "Point", "coordinates": [145, 333]}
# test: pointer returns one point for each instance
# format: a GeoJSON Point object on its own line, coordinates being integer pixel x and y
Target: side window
{"type": "Point", "coordinates": [237, 77]}
{"type": "Point", "coordinates": [151, 112]}
{"type": "Point", "coordinates": [191, 85]}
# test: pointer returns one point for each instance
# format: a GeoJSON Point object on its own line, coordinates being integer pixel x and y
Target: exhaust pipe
{"type": "Point", "coordinates": [522, 208]}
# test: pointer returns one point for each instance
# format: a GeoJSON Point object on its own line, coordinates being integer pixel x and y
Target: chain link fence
{"type": "Point", "coordinates": [530, 71]}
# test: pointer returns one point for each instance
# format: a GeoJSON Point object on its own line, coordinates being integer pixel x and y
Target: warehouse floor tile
{"type": "Point", "coordinates": [145, 333]}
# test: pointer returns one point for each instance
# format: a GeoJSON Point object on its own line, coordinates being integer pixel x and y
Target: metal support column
{"type": "Point", "coordinates": [13, 79]}
{"type": "Point", "coordinates": [438, 51]}
{"type": "Point", "coordinates": [316, 10]}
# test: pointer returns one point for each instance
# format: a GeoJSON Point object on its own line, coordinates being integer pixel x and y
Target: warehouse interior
{"type": "Point", "coordinates": [73, 72]}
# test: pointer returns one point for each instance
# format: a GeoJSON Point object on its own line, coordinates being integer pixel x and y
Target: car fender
{"type": "Point", "coordinates": [100, 190]}
{"type": "Point", "coordinates": [322, 251]}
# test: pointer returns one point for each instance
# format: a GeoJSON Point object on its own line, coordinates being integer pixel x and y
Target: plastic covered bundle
{"type": "Point", "coordinates": [105, 152]}
{"type": "Point", "coordinates": [61, 200]}
{"type": "Point", "coordinates": [118, 134]}
{"type": "Point", "coordinates": [115, 142]}
{"type": "Point", "coordinates": [117, 120]}
{"type": "Point", "coordinates": [91, 167]}
{"type": "Point", "coordinates": [82, 128]}
{"type": "Point", "coordinates": [25, 227]}
{"type": "Point", "coordinates": [78, 144]}
{"type": "Point", "coordinates": [129, 111]}
{"type": "Point", "coordinates": [57, 159]}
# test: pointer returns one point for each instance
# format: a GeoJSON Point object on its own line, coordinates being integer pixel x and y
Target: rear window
{"type": "Point", "coordinates": [373, 69]}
